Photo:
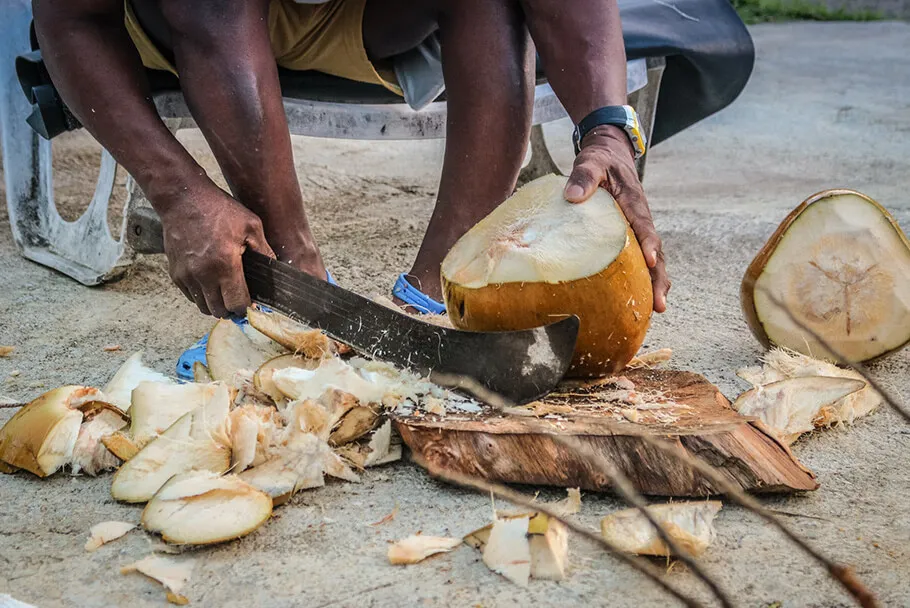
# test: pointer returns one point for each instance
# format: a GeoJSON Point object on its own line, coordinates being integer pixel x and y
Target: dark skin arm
{"type": "Point", "coordinates": [584, 57]}
{"type": "Point", "coordinates": [96, 68]}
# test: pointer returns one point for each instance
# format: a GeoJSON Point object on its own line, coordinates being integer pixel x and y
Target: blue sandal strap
{"type": "Point", "coordinates": [197, 351]}
{"type": "Point", "coordinates": [412, 296]}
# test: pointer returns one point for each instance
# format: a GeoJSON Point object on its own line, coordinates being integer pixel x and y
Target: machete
{"type": "Point", "coordinates": [518, 365]}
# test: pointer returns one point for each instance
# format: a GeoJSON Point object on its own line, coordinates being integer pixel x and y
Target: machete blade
{"type": "Point", "coordinates": [518, 365]}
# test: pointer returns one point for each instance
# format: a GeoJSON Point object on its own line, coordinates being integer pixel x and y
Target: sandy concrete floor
{"type": "Point", "coordinates": [829, 106]}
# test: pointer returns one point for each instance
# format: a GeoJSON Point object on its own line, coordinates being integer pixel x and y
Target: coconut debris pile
{"type": "Point", "coordinates": [279, 408]}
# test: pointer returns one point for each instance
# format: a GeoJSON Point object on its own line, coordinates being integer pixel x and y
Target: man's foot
{"type": "Point", "coordinates": [413, 300]}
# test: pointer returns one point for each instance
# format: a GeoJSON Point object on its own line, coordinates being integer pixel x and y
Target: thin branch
{"type": "Point", "coordinates": [11, 406]}
{"type": "Point", "coordinates": [842, 574]}
{"type": "Point", "coordinates": [517, 498]}
{"type": "Point", "coordinates": [620, 481]}
{"type": "Point", "coordinates": [860, 368]}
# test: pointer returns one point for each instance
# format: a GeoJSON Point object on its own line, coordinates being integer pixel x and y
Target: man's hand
{"type": "Point", "coordinates": [606, 159]}
{"type": "Point", "coordinates": [205, 234]}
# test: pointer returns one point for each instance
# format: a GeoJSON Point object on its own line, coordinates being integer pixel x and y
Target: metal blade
{"type": "Point", "coordinates": [518, 365]}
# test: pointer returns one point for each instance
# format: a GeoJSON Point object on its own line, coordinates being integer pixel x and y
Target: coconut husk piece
{"type": "Point", "coordinates": [513, 448]}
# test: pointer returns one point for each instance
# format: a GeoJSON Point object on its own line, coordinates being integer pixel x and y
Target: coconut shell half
{"type": "Point", "coordinates": [841, 265]}
{"type": "Point", "coordinates": [538, 258]}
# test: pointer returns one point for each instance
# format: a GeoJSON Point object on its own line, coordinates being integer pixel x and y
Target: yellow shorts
{"type": "Point", "coordinates": [325, 37]}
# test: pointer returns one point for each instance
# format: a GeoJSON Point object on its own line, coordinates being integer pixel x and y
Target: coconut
{"type": "Point", "coordinates": [262, 378]}
{"type": "Point", "coordinates": [231, 349]}
{"type": "Point", "coordinates": [194, 442]}
{"type": "Point", "coordinates": [689, 524]}
{"type": "Point", "coordinates": [41, 437]}
{"type": "Point", "coordinates": [791, 407]}
{"type": "Point", "coordinates": [157, 406]}
{"type": "Point", "coordinates": [417, 547]}
{"type": "Point", "coordinates": [201, 508]}
{"type": "Point", "coordinates": [119, 388]}
{"type": "Point", "coordinates": [841, 265]}
{"type": "Point", "coordinates": [90, 454]}
{"type": "Point", "coordinates": [538, 258]}
{"type": "Point", "coordinates": [294, 336]}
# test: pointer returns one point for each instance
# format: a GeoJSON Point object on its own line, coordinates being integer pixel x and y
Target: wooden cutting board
{"type": "Point", "coordinates": [611, 418]}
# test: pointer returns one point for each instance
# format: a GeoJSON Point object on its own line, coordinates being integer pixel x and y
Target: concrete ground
{"type": "Point", "coordinates": [829, 105]}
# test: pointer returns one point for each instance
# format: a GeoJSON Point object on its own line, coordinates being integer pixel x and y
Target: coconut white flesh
{"type": "Point", "coordinates": [173, 573]}
{"type": "Point", "coordinates": [231, 349]}
{"type": "Point", "coordinates": [105, 532]}
{"type": "Point", "coordinates": [298, 464]}
{"type": "Point", "coordinates": [550, 552]}
{"type": "Point", "coordinates": [294, 336]}
{"type": "Point", "coordinates": [782, 364]}
{"type": "Point", "coordinates": [844, 271]}
{"type": "Point", "coordinates": [417, 548]}
{"type": "Point", "coordinates": [298, 383]}
{"type": "Point", "coordinates": [790, 407]}
{"type": "Point", "coordinates": [253, 430]}
{"type": "Point", "coordinates": [507, 550]}
{"type": "Point", "coordinates": [90, 455]}
{"type": "Point", "coordinates": [690, 524]}
{"type": "Point", "coordinates": [262, 378]}
{"type": "Point", "coordinates": [193, 442]}
{"type": "Point", "coordinates": [157, 406]}
{"type": "Point", "coordinates": [120, 387]}
{"type": "Point", "coordinates": [201, 507]}
{"type": "Point", "coordinates": [538, 236]}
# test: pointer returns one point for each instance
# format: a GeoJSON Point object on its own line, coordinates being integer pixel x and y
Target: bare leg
{"type": "Point", "coordinates": [488, 67]}
{"type": "Point", "coordinates": [230, 80]}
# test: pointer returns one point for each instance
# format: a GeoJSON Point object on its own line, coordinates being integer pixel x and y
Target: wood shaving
{"type": "Point", "coordinates": [172, 573]}
{"type": "Point", "coordinates": [105, 532]}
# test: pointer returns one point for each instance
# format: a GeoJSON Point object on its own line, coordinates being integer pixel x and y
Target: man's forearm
{"type": "Point", "coordinates": [581, 47]}
{"type": "Point", "coordinates": [98, 73]}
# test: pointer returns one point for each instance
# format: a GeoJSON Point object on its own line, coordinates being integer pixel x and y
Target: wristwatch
{"type": "Point", "coordinates": [624, 117]}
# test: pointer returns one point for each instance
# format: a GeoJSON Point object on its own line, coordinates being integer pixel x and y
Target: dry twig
{"type": "Point", "coordinates": [621, 483]}
{"type": "Point", "coordinates": [517, 498]}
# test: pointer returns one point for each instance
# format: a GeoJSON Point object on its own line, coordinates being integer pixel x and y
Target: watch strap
{"type": "Point", "coordinates": [623, 117]}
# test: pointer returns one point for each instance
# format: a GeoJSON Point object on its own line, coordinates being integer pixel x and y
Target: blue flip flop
{"type": "Point", "coordinates": [412, 296]}
{"type": "Point", "coordinates": [197, 351]}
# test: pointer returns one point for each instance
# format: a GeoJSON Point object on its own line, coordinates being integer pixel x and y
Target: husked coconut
{"type": "Point", "coordinates": [783, 364]}
{"type": "Point", "coordinates": [841, 265]}
{"type": "Point", "coordinates": [105, 532]}
{"type": "Point", "coordinates": [157, 406]}
{"type": "Point", "coordinates": [262, 378]}
{"type": "Point", "coordinates": [231, 349]}
{"type": "Point", "coordinates": [120, 387]}
{"type": "Point", "coordinates": [195, 442]}
{"type": "Point", "coordinates": [556, 258]}
{"type": "Point", "coordinates": [690, 524]}
{"type": "Point", "coordinates": [353, 425]}
{"type": "Point", "coordinates": [202, 507]}
{"type": "Point", "coordinates": [416, 548]}
{"type": "Point", "coordinates": [90, 455]}
{"type": "Point", "coordinates": [294, 336]}
{"type": "Point", "coordinates": [40, 437]}
{"type": "Point", "coordinates": [378, 450]}
{"type": "Point", "coordinates": [171, 572]}
{"type": "Point", "coordinates": [791, 407]}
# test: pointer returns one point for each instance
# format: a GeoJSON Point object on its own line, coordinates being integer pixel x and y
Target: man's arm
{"type": "Point", "coordinates": [98, 72]}
{"type": "Point", "coordinates": [582, 50]}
